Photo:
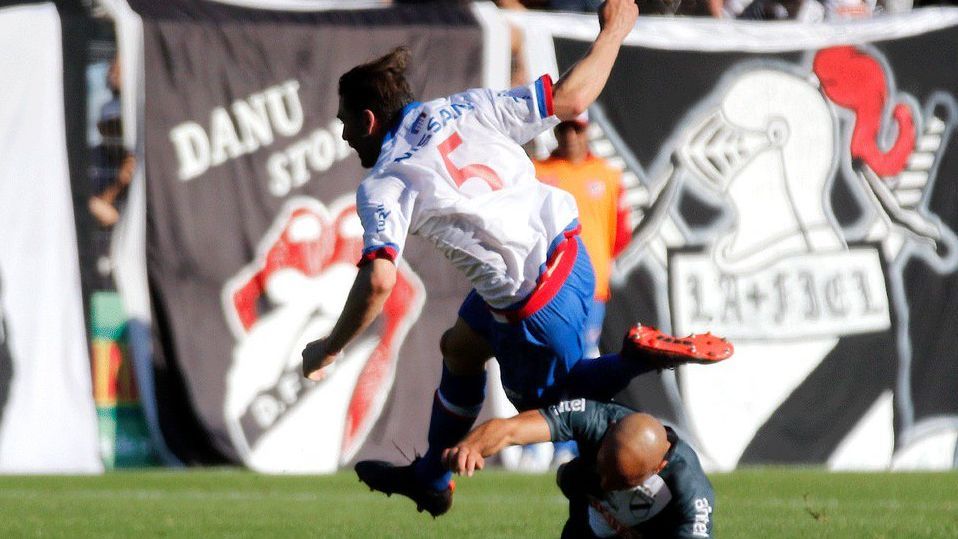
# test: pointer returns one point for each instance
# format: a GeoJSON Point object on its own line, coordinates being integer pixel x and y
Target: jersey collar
{"type": "Point", "coordinates": [399, 120]}
{"type": "Point", "coordinates": [673, 439]}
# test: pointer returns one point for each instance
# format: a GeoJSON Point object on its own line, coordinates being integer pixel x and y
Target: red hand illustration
{"type": "Point", "coordinates": [854, 80]}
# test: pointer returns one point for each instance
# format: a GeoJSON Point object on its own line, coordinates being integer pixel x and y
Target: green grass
{"type": "Point", "coordinates": [764, 503]}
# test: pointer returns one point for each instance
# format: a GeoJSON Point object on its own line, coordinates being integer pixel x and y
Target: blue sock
{"type": "Point", "coordinates": [601, 378]}
{"type": "Point", "coordinates": [454, 409]}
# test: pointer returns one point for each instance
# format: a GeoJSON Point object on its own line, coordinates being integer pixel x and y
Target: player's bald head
{"type": "Point", "coordinates": [632, 450]}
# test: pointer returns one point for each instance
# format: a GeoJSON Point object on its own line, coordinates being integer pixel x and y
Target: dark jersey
{"type": "Point", "coordinates": [676, 502]}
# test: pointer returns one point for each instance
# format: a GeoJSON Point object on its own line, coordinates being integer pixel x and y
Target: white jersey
{"type": "Point", "coordinates": [454, 172]}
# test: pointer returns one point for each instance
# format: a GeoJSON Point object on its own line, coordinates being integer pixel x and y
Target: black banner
{"type": "Point", "coordinates": [801, 203]}
{"type": "Point", "coordinates": [253, 236]}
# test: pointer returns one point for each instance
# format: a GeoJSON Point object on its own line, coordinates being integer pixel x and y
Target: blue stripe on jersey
{"type": "Point", "coordinates": [399, 120]}
{"type": "Point", "coordinates": [377, 247]}
{"type": "Point", "coordinates": [541, 98]}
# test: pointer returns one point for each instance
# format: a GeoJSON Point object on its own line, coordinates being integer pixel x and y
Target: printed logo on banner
{"type": "Point", "coordinates": [290, 294]}
{"type": "Point", "coordinates": [776, 272]}
{"type": "Point", "coordinates": [254, 122]}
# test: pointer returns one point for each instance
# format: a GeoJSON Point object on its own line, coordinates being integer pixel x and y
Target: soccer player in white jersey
{"type": "Point", "coordinates": [453, 171]}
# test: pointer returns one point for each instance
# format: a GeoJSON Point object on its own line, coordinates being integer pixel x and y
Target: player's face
{"type": "Point", "coordinates": [573, 140]}
{"type": "Point", "coordinates": [356, 133]}
{"type": "Point", "coordinates": [610, 478]}
{"type": "Point", "coordinates": [615, 474]}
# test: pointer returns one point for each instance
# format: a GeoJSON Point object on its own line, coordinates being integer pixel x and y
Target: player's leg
{"type": "Point", "coordinates": [564, 319]}
{"type": "Point", "coordinates": [644, 349]}
{"type": "Point", "coordinates": [459, 398]}
{"type": "Point", "coordinates": [456, 404]}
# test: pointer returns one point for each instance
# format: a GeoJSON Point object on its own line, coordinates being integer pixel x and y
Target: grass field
{"type": "Point", "coordinates": [764, 503]}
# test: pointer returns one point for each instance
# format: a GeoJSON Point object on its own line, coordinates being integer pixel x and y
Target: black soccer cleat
{"type": "Point", "coordinates": [391, 479]}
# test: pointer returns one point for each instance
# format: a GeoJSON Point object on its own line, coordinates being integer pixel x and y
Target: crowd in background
{"type": "Point", "coordinates": [801, 10]}
{"type": "Point", "coordinates": [111, 171]}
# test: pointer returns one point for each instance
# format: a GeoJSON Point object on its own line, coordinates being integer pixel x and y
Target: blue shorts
{"type": "Point", "coordinates": [536, 353]}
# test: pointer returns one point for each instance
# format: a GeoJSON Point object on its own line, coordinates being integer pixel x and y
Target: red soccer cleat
{"type": "Point", "coordinates": [645, 343]}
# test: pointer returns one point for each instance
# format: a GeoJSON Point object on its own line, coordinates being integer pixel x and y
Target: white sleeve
{"type": "Point", "coordinates": [384, 205]}
{"type": "Point", "coordinates": [522, 112]}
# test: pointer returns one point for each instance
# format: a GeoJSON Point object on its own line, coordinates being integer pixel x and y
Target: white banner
{"type": "Point", "coordinates": [48, 422]}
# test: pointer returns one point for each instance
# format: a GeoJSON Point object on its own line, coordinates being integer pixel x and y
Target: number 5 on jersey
{"type": "Point", "coordinates": [461, 174]}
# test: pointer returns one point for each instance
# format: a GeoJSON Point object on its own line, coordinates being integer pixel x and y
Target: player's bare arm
{"type": "Point", "coordinates": [581, 85]}
{"type": "Point", "coordinates": [493, 436]}
{"type": "Point", "coordinates": [369, 293]}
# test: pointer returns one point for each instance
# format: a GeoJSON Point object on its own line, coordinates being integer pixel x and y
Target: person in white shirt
{"type": "Point", "coordinates": [453, 171]}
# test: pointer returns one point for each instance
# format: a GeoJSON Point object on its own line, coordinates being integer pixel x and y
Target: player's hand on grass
{"type": "Point", "coordinates": [316, 357]}
{"type": "Point", "coordinates": [618, 16]}
{"type": "Point", "coordinates": [463, 460]}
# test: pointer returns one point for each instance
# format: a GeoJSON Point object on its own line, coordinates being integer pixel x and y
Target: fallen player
{"type": "Point", "coordinates": [633, 477]}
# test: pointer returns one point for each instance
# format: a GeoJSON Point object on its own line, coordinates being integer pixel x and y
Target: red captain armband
{"type": "Point", "coordinates": [388, 252]}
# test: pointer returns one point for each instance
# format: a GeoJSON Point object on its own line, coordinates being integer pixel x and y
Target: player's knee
{"type": "Point", "coordinates": [454, 344]}
{"type": "Point", "coordinates": [459, 355]}
{"type": "Point", "coordinates": [452, 352]}
{"type": "Point", "coordinates": [445, 346]}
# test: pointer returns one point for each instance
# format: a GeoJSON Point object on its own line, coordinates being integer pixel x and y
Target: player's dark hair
{"type": "Point", "coordinates": [379, 85]}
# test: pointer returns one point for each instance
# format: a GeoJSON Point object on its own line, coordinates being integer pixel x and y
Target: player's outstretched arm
{"type": "Point", "coordinates": [581, 85]}
{"type": "Point", "coordinates": [493, 436]}
{"type": "Point", "coordinates": [369, 293]}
